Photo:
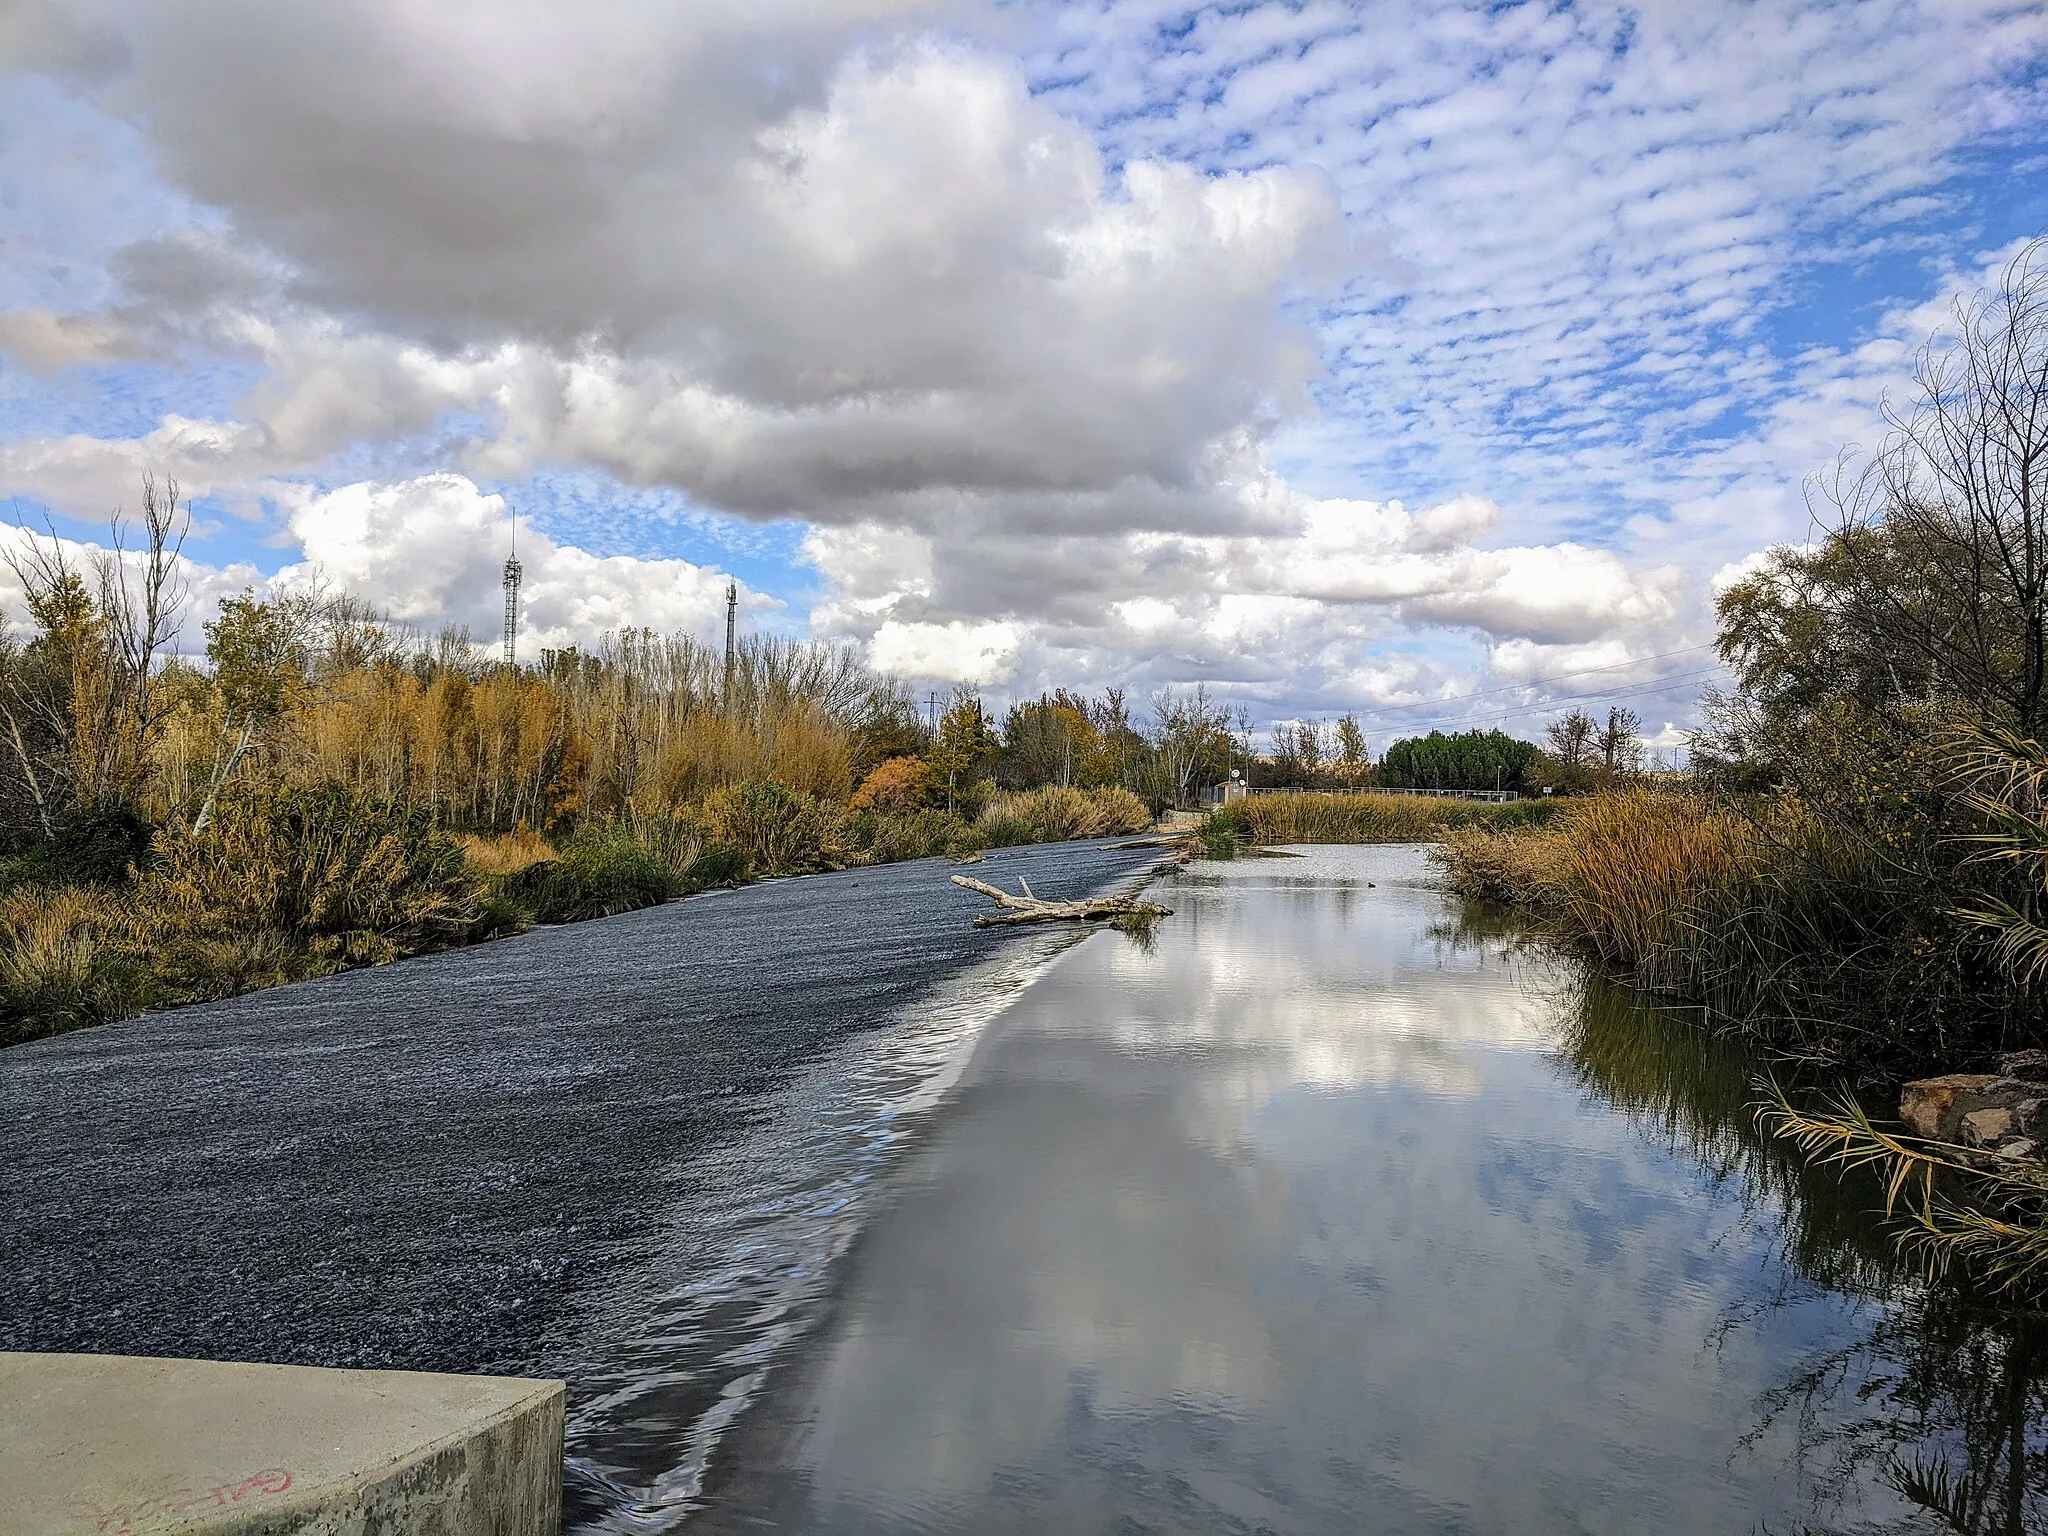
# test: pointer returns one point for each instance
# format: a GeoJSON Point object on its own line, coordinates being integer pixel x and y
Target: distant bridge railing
{"type": "Point", "coordinates": [1216, 796]}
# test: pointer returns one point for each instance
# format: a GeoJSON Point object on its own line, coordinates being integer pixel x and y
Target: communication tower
{"type": "Point", "coordinates": [513, 574]}
{"type": "Point", "coordinates": [732, 606]}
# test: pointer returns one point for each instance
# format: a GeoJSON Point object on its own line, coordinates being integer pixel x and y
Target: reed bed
{"type": "Point", "coordinates": [1360, 818]}
{"type": "Point", "coordinates": [1059, 812]}
{"type": "Point", "coordinates": [1759, 913]}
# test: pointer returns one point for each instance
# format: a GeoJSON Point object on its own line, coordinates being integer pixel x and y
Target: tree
{"type": "Point", "coordinates": [1049, 740]}
{"type": "Point", "coordinates": [1353, 761]}
{"type": "Point", "coordinates": [80, 702]}
{"type": "Point", "coordinates": [895, 787]}
{"type": "Point", "coordinates": [1468, 760]}
{"type": "Point", "coordinates": [1190, 740]}
{"type": "Point", "coordinates": [1621, 747]}
{"type": "Point", "coordinates": [965, 746]}
{"type": "Point", "coordinates": [259, 655]}
{"type": "Point", "coordinates": [1572, 741]}
{"type": "Point", "coordinates": [1310, 748]}
{"type": "Point", "coordinates": [1943, 532]}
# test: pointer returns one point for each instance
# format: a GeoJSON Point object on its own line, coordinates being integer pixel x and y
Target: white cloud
{"type": "Point", "coordinates": [958, 652]}
{"type": "Point", "coordinates": [89, 477]}
{"type": "Point", "coordinates": [432, 551]}
{"type": "Point", "coordinates": [1031, 364]}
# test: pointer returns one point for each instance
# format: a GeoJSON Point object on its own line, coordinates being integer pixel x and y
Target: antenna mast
{"type": "Point", "coordinates": [732, 604]}
{"type": "Point", "coordinates": [513, 574]}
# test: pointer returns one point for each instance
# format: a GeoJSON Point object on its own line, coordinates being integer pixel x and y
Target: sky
{"type": "Point", "coordinates": [1434, 362]}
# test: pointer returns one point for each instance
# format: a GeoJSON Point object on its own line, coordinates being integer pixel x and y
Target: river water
{"type": "Point", "coordinates": [1326, 1206]}
{"type": "Point", "coordinates": [1329, 1206]}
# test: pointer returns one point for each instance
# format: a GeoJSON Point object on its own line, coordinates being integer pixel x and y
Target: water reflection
{"type": "Point", "coordinates": [1942, 1397]}
{"type": "Point", "coordinates": [1337, 1208]}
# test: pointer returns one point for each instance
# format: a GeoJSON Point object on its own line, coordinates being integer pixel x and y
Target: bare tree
{"type": "Point", "coordinates": [1946, 525]}
{"type": "Point", "coordinates": [1190, 730]}
{"type": "Point", "coordinates": [84, 689]}
{"type": "Point", "coordinates": [1310, 747]}
{"type": "Point", "coordinates": [1621, 747]}
{"type": "Point", "coordinates": [1571, 740]}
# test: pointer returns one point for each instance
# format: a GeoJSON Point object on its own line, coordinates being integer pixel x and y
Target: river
{"type": "Point", "coordinates": [1329, 1208]}
{"type": "Point", "coordinates": [1326, 1205]}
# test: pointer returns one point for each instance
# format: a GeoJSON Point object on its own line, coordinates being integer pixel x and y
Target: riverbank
{"type": "Point", "coordinates": [288, 885]}
{"type": "Point", "coordinates": [1279, 817]}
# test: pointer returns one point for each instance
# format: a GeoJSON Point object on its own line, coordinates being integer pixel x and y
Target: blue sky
{"type": "Point", "coordinates": [1426, 360]}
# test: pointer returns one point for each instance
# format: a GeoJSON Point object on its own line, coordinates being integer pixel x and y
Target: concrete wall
{"type": "Point", "coordinates": [109, 1445]}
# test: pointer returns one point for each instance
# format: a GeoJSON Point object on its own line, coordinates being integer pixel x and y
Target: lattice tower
{"type": "Point", "coordinates": [513, 574]}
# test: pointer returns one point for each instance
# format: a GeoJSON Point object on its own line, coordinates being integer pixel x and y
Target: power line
{"type": "Point", "coordinates": [1537, 682]}
{"type": "Point", "coordinates": [1632, 690]}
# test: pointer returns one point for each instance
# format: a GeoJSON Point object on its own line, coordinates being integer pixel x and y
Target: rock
{"type": "Point", "coordinates": [2032, 1064]}
{"type": "Point", "coordinates": [1966, 1107]}
{"type": "Point", "coordinates": [1986, 1127]}
{"type": "Point", "coordinates": [2019, 1146]}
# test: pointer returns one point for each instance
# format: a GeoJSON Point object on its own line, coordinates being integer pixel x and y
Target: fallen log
{"type": "Point", "coordinates": [1027, 908]}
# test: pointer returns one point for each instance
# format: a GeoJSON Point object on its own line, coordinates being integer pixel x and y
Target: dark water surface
{"type": "Point", "coordinates": [1328, 1211]}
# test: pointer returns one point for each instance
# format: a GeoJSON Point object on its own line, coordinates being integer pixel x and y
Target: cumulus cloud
{"type": "Point", "coordinates": [896, 273]}
{"type": "Point", "coordinates": [1297, 613]}
{"type": "Point", "coordinates": [88, 477]}
{"type": "Point", "coordinates": [957, 652]}
{"type": "Point", "coordinates": [432, 552]}
{"type": "Point", "coordinates": [1022, 328]}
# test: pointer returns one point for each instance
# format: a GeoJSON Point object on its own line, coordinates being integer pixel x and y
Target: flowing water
{"type": "Point", "coordinates": [1326, 1206]}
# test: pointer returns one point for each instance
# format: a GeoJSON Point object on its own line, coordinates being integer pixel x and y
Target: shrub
{"type": "Point", "coordinates": [62, 963]}
{"type": "Point", "coordinates": [1000, 831]}
{"type": "Point", "coordinates": [356, 879]}
{"type": "Point", "coordinates": [1760, 913]}
{"type": "Point", "coordinates": [896, 786]}
{"type": "Point", "coordinates": [88, 847]}
{"type": "Point", "coordinates": [779, 831]}
{"type": "Point", "coordinates": [603, 870]}
{"type": "Point", "coordinates": [922, 834]}
{"type": "Point", "coordinates": [201, 967]}
{"type": "Point", "coordinates": [720, 864]}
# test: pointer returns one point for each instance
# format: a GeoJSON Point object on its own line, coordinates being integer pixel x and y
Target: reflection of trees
{"type": "Point", "coordinates": [1944, 1398]}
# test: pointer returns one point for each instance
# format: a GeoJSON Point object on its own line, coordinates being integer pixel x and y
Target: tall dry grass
{"type": "Point", "coordinates": [1058, 812]}
{"type": "Point", "coordinates": [645, 722]}
{"type": "Point", "coordinates": [506, 853]}
{"type": "Point", "coordinates": [66, 961]}
{"type": "Point", "coordinates": [1361, 818]}
{"type": "Point", "coordinates": [1650, 882]}
{"type": "Point", "coordinates": [1760, 913]}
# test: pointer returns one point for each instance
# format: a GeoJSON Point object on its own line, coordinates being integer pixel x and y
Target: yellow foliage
{"type": "Point", "coordinates": [895, 786]}
{"type": "Point", "coordinates": [505, 853]}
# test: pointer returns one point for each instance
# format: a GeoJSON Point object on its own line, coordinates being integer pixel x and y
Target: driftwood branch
{"type": "Point", "coordinates": [1028, 908]}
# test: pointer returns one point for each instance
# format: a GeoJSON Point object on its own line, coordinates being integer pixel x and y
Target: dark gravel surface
{"type": "Point", "coordinates": [426, 1166]}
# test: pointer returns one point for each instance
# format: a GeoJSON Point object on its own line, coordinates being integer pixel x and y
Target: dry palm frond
{"type": "Point", "coordinates": [1988, 1211]}
{"type": "Point", "coordinates": [2003, 779]}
